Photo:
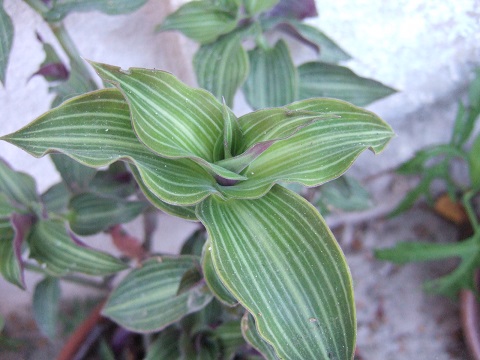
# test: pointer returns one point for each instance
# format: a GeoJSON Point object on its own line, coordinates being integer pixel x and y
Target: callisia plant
{"type": "Point", "coordinates": [269, 251]}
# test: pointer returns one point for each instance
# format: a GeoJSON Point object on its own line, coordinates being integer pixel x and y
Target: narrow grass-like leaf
{"type": "Point", "coordinates": [185, 212]}
{"type": "Point", "coordinates": [51, 245]}
{"type": "Point", "coordinates": [165, 346]}
{"type": "Point", "coordinates": [146, 300]}
{"type": "Point", "coordinates": [251, 335]}
{"type": "Point", "coordinates": [75, 175]}
{"type": "Point", "coordinates": [277, 256]}
{"type": "Point", "coordinates": [10, 266]}
{"type": "Point", "coordinates": [201, 21]}
{"type": "Point", "coordinates": [46, 298]}
{"type": "Point", "coordinates": [62, 8]}
{"type": "Point", "coordinates": [92, 213]}
{"type": "Point", "coordinates": [318, 79]}
{"type": "Point", "coordinates": [329, 51]}
{"type": "Point", "coordinates": [6, 40]}
{"type": "Point", "coordinates": [222, 67]}
{"type": "Point", "coordinates": [232, 135]}
{"type": "Point", "coordinates": [254, 7]}
{"type": "Point", "coordinates": [273, 79]}
{"type": "Point", "coordinates": [19, 187]}
{"type": "Point", "coordinates": [213, 280]}
{"type": "Point", "coordinates": [95, 129]}
{"type": "Point", "coordinates": [169, 117]}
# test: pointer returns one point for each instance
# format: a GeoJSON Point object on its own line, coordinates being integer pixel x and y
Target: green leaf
{"type": "Point", "coordinates": [46, 301]}
{"type": "Point", "coordinates": [91, 213]}
{"type": "Point", "coordinates": [146, 300]}
{"type": "Point", "coordinates": [318, 79]}
{"type": "Point", "coordinates": [116, 181]}
{"type": "Point", "coordinates": [184, 212]}
{"type": "Point", "coordinates": [474, 164]}
{"type": "Point", "coordinates": [273, 79]}
{"type": "Point", "coordinates": [251, 335]}
{"type": "Point", "coordinates": [19, 187]}
{"type": "Point", "coordinates": [76, 176]}
{"type": "Point", "coordinates": [194, 244]}
{"type": "Point", "coordinates": [51, 246]}
{"type": "Point", "coordinates": [62, 8]}
{"type": "Point", "coordinates": [329, 51]}
{"type": "Point", "coordinates": [95, 129]}
{"type": "Point", "coordinates": [165, 347]}
{"type": "Point", "coordinates": [317, 153]}
{"type": "Point", "coordinates": [257, 6]}
{"type": "Point", "coordinates": [201, 21]}
{"type": "Point", "coordinates": [346, 194]}
{"type": "Point", "coordinates": [56, 198]}
{"type": "Point", "coordinates": [10, 266]}
{"type": "Point", "coordinates": [6, 207]}
{"type": "Point", "coordinates": [222, 67]}
{"type": "Point", "coordinates": [230, 338]}
{"type": "Point", "coordinates": [169, 117]}
{"type": "Point", "coordinates": [213, 281]}
{"type": "Point", "coordinates": [279, 259]}
{"type": "Point", "coordinates": [6, 41]}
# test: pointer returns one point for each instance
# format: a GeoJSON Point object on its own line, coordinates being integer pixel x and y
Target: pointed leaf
{"type": "Point", "coordinates": [251, 335]}
{"type": "Point", "coordinates": [257, 6]}
{"type": "Point", "coordinates": [273, 78]}
{"type": "Point", "coordinates": [91, 213]}
{"type": "Point", "coordinates": [195, 243]}
{"type": "Point", "coordinates": [17, 186]}
{"type": "Point", "coordinates": [95, 129]}
{"type": "Point", "coordinates": [213, 280]}
{"type": "Point", "coordinates": [10, 264]}
{"type": "Point", "coordinates": [201, 21]}
{"type": "Point", "coordinates": [279, 259]}
{"type": "Point", "coordinates": [75, 175]}
{"type": "Point", "coordinates": [51, 245]}
{"type": "Point", "coordinates": [146, 299]}
{"type": "Point", "coordinates": [56, 198]}
{"type": "Point", "coordinates": [329, 51]}
{"type": "Point", "coordinates": [222, 67]}
{"type": "Point", "coordinates": [346, 194]}
{"type": "Point", "coordinates": [327, 80]}
{"type": "Point", "coordinates": [232, 135]}
{"type": "Point", "coordinates": [184, 212]}
{"type": "Point", "coordinates": [62, 8]}
{"type": "Point", "coordinates": [171, 118]}
{"type": "Point", "coordinates": [6, 40]}
{"type": "Point", "coordinates": [46, 298]}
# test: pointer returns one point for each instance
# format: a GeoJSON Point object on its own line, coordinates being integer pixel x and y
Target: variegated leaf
{"type": "Point", "coordinates": [257, 6]}
{"type": "Point", "coordinates": [318, 79]}
{"type": "Point", "coordinates": [6, 40]}
{"type": "Point", "coordinates": [45, 304]}
{"type": "Point", "coordinates": [18, 187]}
{"type": "Point", "coordinates": [251, 335]}
{"type": "Point", "coordinates": [146, 300]}
{"type": "Point", "coordinates": [201, 21]}
{"type": "Point", "coordinates": [273, 79]}
{"type": "Point", "coordinates": [10, 264]}
{"type": "Point", "coordinates": [277, 256]}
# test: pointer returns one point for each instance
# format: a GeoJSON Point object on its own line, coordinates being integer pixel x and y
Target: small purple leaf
{"type": "Point", "coordinates": [53, 72]}
{"type": "Point", "coordinates": [21, 225]}
{"type": "Point", "coordinates": [297, 9]}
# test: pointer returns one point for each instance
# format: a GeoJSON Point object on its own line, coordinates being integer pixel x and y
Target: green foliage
{"type": "Point", "coordinates": [268, 76]}
{"type": "Point", "coordinates": [268, 248]}
{"type": "Point", "coordinates": [435, 163]}
{"type": "Point", "coordinates": [46, 301]}
{"type": "Point", "coordinates": [6, 40]}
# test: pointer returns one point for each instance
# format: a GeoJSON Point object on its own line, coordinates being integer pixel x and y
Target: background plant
{"type": "Point", "coordinates": [438, 163]}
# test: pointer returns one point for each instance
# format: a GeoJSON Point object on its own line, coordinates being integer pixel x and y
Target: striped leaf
{"type": "Point", "coordinates": [19, 187]}
{"type": "Point", "coordinates": [165, 346]}
{"type": "Point", "coordinates": [222, 67]}
{"type": "Point", "coordinates": [46, 301]}
{"type": "Point", "coordinates": [329, 51]}
{"type": "Point", "coordinates": [230, 336]}
{"type": "Point", "coordinates": [251, 335]}
{"type": "Point", "coordinates": [201, 21]}
{"type": "Point", "coordinates": [10, 263]}
{"type": "Point", "coordinates": [51, 246]}
{"type": "Point", "coordinates": [327, 80]}
{"type": "Point", "coordinates": [171, 118]}
{"type": "Point", "coordinates": [273, 79]}
{"type": "Point", "coordinates": [62, 8]}
{"type": "Point", "coordinates": [75, 175]}
{"type": "Point", "coordinates": [317, 153]}
{"type": "Point", "coordinates": [277, 256]}
{"type": "Point", "coordinates": [6, 40]}
{"type": "Point", "coordinates": [95, 129]}
{"type": "Point", "coordinates": [6, 207]}
{"type": "Point", "coordinates": [56, 198]}
{"type": "Point", "coordinates": [257, 6]}
{"type": "Point", "coordinates": [146, 300]}
{"type": "Point", "coordinates": [213, 281]}
{"type": "Point", "coordinates": [91, 213]}
{"type": "Point", "coordinates": [184, 212]}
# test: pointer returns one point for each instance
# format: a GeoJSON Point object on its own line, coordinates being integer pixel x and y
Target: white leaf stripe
{"type": "Point", "coordinates": [95, 129]}
{"type": "Point", "coordinates": [6, 40]}
{"type": "Point", "coordinates": [9, 266]}
{"type": "Point", "coordinates": [270, 252]}
{"type": "Point", "coordinates": [146, 300]}
{"type": "Point", "coordinates": [251, 335]}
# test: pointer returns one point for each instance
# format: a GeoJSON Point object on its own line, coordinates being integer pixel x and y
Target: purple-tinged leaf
{"type": "Point", "coordinates": [296, 9]}
{"type": "Point", "coordinates": [53, 72]}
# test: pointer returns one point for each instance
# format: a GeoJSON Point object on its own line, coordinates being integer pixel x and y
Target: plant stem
{"type": "Point", "coordinates": [69, 278]}
{"type": "Point", "coordinates": [467, 203]}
